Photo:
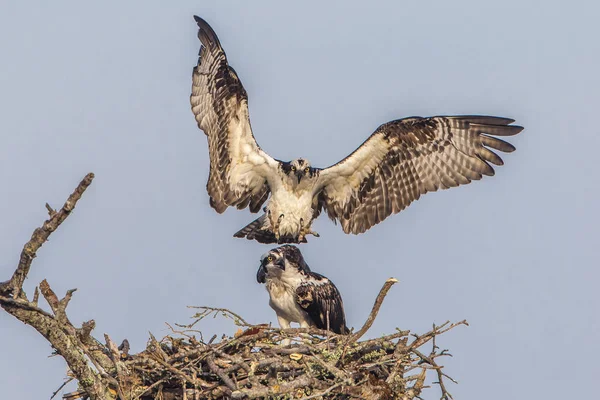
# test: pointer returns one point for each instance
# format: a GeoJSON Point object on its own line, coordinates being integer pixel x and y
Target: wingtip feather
{"type": "Point", "coordinates": [206, 34]}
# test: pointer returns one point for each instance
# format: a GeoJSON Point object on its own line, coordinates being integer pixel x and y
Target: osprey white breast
{"type": "Point", "coordinates": [299, 295]}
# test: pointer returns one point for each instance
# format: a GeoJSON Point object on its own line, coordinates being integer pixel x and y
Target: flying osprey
{"type": "Point", "coordinates": [399, 162]}
{"type": "Point", "coordinates": [299, 295]}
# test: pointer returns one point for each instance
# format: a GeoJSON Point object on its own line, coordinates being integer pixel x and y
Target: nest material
{"type": "Point", "coordinates": [253, 365]}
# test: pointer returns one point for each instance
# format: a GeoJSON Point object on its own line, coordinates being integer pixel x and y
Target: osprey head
{"type": "Point", "coordinates": [286, 258]}
{"type": "Point", "coordinates": [298, 169]}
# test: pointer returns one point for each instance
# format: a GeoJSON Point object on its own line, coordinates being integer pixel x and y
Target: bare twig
{"type": "Point", "coordinates": [218, 371]}
{"type": "Point", "coordinates": [214, 311]}
{"type": "Point", "coordinates": [286, 387]}
{"type": "Point", "coordinates": [422, 339]}
{"type": "Point", "coordinates": [378, 301]}
{"type": "Point", "coordinates": [40, 235]}
{"type": "Point", "coordinates": [51, 211]}
{"type": "Point", "coordinates": [25, 305]}
{"type": "Point", "coordinates": [324, 392]}
{"type": "Point", "coordinates": [57, 331]}
{"type": "Point", "coordinates": [65, 383]}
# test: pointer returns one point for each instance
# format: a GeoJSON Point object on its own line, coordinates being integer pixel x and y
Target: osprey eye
{"type": "Point", "coordinates": [306, 169]}
{"type": "Point", "coordinates": [270, 258]}
{"type": "Point", "coordinates": [293, 168]}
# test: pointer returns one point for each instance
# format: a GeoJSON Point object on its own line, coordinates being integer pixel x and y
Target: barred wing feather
{"type": "Point", "coordinates": [406, 158]}
{"type": "Point", "coordinates": [239, 169]}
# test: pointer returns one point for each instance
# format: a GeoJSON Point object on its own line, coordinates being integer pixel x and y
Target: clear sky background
{"type": "Point", "coordinates": [104, 87]}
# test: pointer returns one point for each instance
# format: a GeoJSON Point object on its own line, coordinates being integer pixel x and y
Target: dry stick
{"type": "Point", "coordinates": [57, 332]}
{"type": "Point", "coordinates": [182, 333]}
{"type": "Point", "coordinates": [226, 356]}
{"type": "Point", "coordinates": [324, 392]}
{"type": "Point", "coordinates": [333, 370]}
{"type": "Point", "coordinates": [58, 306]}
{"type": "Point", "coordinates": [291, 332]}
{"type": "Point", "coordinates": [172, 369]}
{"type": "Point", "coordinates": [50, 296]}
{"type": "Point", "coordinates": [263, 392]}
{"type": "Point", "coordinates": [40, 235]}
{"type": "Point", "coordinates": [149, 388]}
{"type": "Point", "coordinates": [65, 383]}
{"type": "Point", "coordinates": [209, 310]}
{"type": "Point", "coordinates": [424, 338]}
{"type": "Point", "coordinates": [100, 360]}
{"type": "Point", "coordinates": [418, 386]}
{"type": "Point", "coordinates": [219, 372]}
{"type": "Point", "coordinates": [118, 364]}
{"type": "Point", "coordinates": [440, 374]}
{"type": "Point", "coordinates": [93, 349]}
{"type": "Point", "coordinates": [36, 296]}
{"type": "Point", "coordinates": [382, 293]}
{"type": "Point", "coordinates": [25, 305]}
{"type": "Point", "coordinates": [183, 390]}
{"type": "Point", "coordinates": [437, 330]}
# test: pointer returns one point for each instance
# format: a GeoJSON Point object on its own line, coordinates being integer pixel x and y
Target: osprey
{"type": "Point", "coordinates": [399, 162]}
{"type": "Point", "coordinates": [299, 295]}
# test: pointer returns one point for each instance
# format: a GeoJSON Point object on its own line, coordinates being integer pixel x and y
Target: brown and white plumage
{"type": "Point", "coordinates": [220, 105]}
{"type": "Point", "coordinates": [299, 295]}
{"type": "Point", "coordinates": [406, 158]}
{"type": "Point", "coordinates": [399, 162]}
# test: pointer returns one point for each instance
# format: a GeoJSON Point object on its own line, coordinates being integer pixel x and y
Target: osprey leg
{"type": "Point", "coordinates": [276, 227]}
{"type": "Point", "coordinates": [284, 324]}
{"type": "Point", "coordinates": [305, 230]}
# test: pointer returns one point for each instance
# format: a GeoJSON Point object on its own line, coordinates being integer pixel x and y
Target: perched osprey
{"type": "Point", "coordinates": [399, 162]}
{"type": "Point", "coordinates": [299, 295]}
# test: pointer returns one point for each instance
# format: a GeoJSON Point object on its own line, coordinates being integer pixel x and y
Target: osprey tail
{"type": "Point", "coordinates": [260, 230]}
{"type": "Point", "coordinates": [257, 230]}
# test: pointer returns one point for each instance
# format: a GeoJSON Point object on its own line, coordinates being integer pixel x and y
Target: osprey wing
{"type": "Point", "coordinates": [406, 158]}
{"type": "Point", "coordinates": [322, 301]}
{"type": "Point", "coordinates": [239, 169]}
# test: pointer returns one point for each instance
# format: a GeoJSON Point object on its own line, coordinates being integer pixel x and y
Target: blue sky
{"type": "Point", "coordinates": [104, 88]}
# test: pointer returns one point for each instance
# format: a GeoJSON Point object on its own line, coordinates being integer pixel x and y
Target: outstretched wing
{"type": "Point", "coordinates": [323, 303]}
{"type": "Point", "coordinates": [239, 169]}
{"type": "Point", "coordinates": [406, 158]}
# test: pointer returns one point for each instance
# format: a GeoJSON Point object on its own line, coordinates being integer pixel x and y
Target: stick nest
{"type": "Point", "coordinates": [253, 364]}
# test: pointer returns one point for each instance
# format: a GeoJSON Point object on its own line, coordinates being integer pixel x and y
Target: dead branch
{"type": "Point", "coordinates": [214, 311]}
{"type": "Point", "coordinates": [13, 287]}
{"type": "Point", "coordinates": [55, 328]}
{"type": "Point", "coordinates": [378, 301]}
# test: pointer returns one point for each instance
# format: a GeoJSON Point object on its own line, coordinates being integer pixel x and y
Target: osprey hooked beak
{"type": "Point", "coordinates": [261, 274]}
{"type": "Point", "coordinates": [271, 260]}
{"type": "Point", "coordinates": [299, 168]}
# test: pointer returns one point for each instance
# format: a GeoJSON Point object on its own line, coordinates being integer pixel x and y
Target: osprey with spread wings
{"type": "Point", "coordinates": [399, 162]}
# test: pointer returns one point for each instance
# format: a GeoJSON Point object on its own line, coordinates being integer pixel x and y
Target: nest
{"type": "Point", "coordinates": [252, 364]}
